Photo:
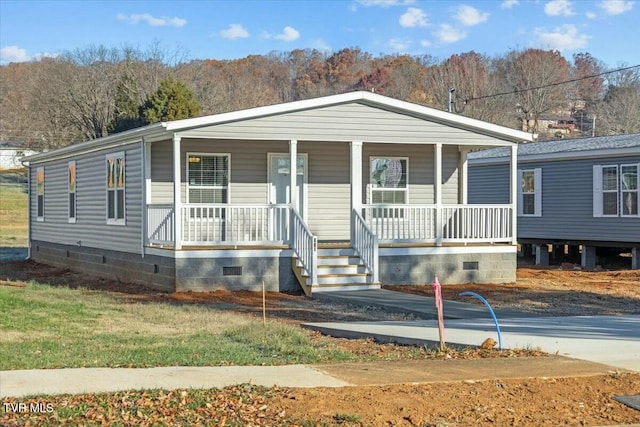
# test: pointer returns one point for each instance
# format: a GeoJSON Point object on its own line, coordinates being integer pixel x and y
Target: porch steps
{"type": "Point", "coordinates": [339, 269]}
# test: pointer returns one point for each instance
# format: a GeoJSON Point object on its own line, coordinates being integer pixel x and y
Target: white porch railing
{"type": "Point", "coordinates": [220, 224]}
{"type": "Point", "coordinates": [365, 243]}
{"type": "Point", "coordinates": [445, 223]}
{"type": "Point", "coordinates": [305, 245]}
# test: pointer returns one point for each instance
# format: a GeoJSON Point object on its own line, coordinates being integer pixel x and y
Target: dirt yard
{"type": "Point", "coordinates": [541, 401]}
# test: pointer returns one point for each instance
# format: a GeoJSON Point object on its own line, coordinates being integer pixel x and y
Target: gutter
{"type": "Point", "coordinates": [28, 166]}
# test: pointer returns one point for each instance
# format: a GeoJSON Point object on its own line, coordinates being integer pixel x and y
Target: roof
{"type": "Point", "coordinates": [564, 148]}
{"type": "Point", "coordinates": [165, 129]}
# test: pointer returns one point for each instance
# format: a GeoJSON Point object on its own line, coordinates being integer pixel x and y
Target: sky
{"type": "Point", "coordinates": [219, 29]}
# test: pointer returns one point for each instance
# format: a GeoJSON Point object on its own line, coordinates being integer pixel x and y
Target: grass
{"type": "Point", "coordinates": [52, 327]}
{"type": "Point", "coordinates": [14, 226]}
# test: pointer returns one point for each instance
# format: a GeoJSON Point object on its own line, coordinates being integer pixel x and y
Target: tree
{"type": "Point", "coordinates": [618, 111]}
{"type": "Point", "coordinates": [172, 101]}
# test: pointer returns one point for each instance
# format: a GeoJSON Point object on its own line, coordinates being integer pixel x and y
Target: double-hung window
{"type": "Point", "coordinates": [388, 180]}
{"type": "Point", "coordinates": [40, 194]}
{"type": "Point", "coordinates": [208, 178]}
{"type": "Point", "coordinates": [530, 192]}
{"type": "Point", "coordinates": [616, 191]}
{"type": "Point", "coordinates": [116, 188]}
{"type": "Point", "coordinates": [71, 172]}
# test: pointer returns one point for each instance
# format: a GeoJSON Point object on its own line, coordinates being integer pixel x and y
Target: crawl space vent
{"type": "Point", "coordinates": [232, 271]}
{"type": "Point", "coordinates": [470, 265]}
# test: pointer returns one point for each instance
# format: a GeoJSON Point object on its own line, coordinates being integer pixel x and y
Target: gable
{"type": "Point", "coordinates": [344, 122]}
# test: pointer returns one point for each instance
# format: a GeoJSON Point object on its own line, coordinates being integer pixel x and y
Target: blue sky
{"type": "Point", "coordinates": [218, 29]}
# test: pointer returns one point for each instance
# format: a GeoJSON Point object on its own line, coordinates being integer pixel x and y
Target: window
{"type": "Point", "coordinates": [388, 180]}
{"type": "Point", "coordinates": [615, 190]}
{"type": "Point", "coordinates": [40, 194]}
{"type": "Point", "coordinates": [72, 190]}
{"type": "Point", "coordinates": [208, 178]}
{"type": "Point", "coordinates": [116, 189]}
{"type": "Point", "coordinates": [530, 192]}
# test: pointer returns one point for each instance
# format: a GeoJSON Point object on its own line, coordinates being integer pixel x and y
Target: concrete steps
{"type": "Point", "coordinates": [339, 269]}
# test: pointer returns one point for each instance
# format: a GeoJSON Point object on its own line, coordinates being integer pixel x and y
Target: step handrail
{"type": "Point", "coordinates": [305, 246]}
{"type": "Point", "coordinates": [365, 243]}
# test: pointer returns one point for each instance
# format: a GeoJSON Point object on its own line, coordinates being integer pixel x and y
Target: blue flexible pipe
{"type": "Point", "coordinates": [495, 320]}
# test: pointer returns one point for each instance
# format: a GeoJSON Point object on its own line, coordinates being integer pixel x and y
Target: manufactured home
{"type": "Point", "coordinates": [340, 192]}
{"type": "Point", "coordinates": [578, 193]}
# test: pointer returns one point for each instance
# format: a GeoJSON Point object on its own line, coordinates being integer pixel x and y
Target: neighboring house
{"type": "Point", "coordinates": [556, 125]}
{"type": "Point", "coordinates": [340, 192]}
{"type": "Point", "coordinates": [579, 192]}
{"type": "Point", "coordinates": [11, 153]}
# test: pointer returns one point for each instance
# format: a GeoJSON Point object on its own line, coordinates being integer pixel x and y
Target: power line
{"type": "Point", "coordinates": [551, 84]}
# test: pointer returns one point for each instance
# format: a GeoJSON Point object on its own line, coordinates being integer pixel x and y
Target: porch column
{"type": "Point", "coordinates": [437, 181]}
{"type": "Point", "coordinates": [514, 193]}
{"type": "Point", "coordinates": [356, 181]}
{"type": "Point", "coordinates": [146, 185]}
{"type": "Point", "coordinates": [293, 173]}
{"type": "Point", "coordinates": [177, 199]}
{"type": "Point", "coordinates": [463, 177]}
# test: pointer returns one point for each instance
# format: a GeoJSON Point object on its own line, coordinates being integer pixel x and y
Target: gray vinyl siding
{"type": "Point", "coordinates": [421, 170]}
{"type": "Point", "coordinates": [90, 228]}
{"type": "Point", "coordinates": [567, 200]}
{"type": "Point", "coordinates": [328, 189]}
{"type": "Point", "coordinates": [345, 122]}
{"type": "Point", "coordinates": [488, 184]}
{"type": "Point", "coordinates": [162, 172]}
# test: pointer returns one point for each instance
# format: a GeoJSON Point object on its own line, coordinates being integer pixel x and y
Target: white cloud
{"type": "Point", "coordinates": [449, 34]}
{"type": "Point", "coordinates": [591, 15]}
{"type": "Point", "coordinates": [321, 45]}
{"type": "Point", "coordinates": [425, 43]}
{"type": "Point", "coordinates": [413, 17]}
{"type": "Point", "coordinates": [288, 34]}
{"type": "Point", "coordinates": [151, 20]}
{"type": "Point", "coordinates": [385, 3]}
{"type": "Point", "coordinates": [558, 7]}
{"type": "Point", "coordinates": [616, 7]}
{"type": "Point", "coordinates": [470, 16]}
{"type": "Point", "coordinates": [235, 31]}
{"type": "Point", "coordinates": [562, 38]}
{"type": "Point", "coordinates": [508, 4]}
{"type": "Point", "coordinates": [13, 54]}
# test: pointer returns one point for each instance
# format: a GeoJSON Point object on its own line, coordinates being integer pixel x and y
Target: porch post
{"type": "Point", "coordinates": [177, 199]}
{"type": "Point", "coordinates": [463, 177]}
{"type": "Point", "coordinates": [356, 182]}
{"type": "Point", "coordinates": [293, 173]}
{"type": "Point", "coordinates": [514, 193]}
{"type": "Point", "coordinates": [146, 198]}
{"type": "Point", "coordinates": [438, 191]}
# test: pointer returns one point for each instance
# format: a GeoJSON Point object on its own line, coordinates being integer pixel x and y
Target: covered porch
{"type": "Point", "coordinates": [367, 213]}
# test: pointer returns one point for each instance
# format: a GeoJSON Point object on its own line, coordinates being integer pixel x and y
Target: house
{"type": "Point", "coordinates": [339, 192]}
{"type": "Point", "coordinates": [578, 192]}
{"type": "Point", "coordinates": [11, 153]}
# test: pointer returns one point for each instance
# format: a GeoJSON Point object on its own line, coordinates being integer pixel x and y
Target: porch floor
{"type": "Point", "coordinates": [324, 245]}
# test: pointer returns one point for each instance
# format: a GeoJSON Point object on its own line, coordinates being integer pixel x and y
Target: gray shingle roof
{"type": "Point", "coordinates": [563, 146]}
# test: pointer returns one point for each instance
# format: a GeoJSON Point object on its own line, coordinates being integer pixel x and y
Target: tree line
{"type": "Point", "coordinates": [96, 91]}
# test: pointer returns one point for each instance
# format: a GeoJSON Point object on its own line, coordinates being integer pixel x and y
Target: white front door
{"type": "Point", "coordinates": [280, 181]}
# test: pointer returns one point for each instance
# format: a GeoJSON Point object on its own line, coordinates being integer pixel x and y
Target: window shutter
{"type": "Point", "coordinates": [520, 199]}
{"type": "Point", "coordinates": [597, 190]}
{"type": "Point", "coordinates": [537, 185]}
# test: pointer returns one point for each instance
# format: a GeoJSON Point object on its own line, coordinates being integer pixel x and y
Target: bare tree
{"type": "Point", "coordinates": [617, 113]}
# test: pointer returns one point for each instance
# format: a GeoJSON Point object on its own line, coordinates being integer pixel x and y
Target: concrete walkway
{"type": "Point", "coordinates": [612, 340]}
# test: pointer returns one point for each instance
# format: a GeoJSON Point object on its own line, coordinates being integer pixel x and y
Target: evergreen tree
{"type": "Point", "coordinates": [127, 114]}
{"type": "Point", "coordinates": [172, 101]}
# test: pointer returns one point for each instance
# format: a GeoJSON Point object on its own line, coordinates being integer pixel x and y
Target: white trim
{"type": "Point", "coordinates": [447, 250]}
{"type": "Point", "coordinates": [602, 191]}
{"type": "Point", "coordinates": [231, 253]}
{"type": "Point", "coordinates": [370, 188]}
{"type": "Point", "coordinates": [537, 192]}
{"type": "Point", "coordinates": [212, 187]}
{"type": "Point", "coordinates": [177, 196]}
{"type": "Point", "coordinates": [622, 191]}
{"type": "Point", "coordinates": [305, 174]}
{"type": "Point", "coordinates": [72, 220]}
{"type": "Point", "coordinates": [40, 218]}
{"type": "Point", "coordinates": [116, 220]}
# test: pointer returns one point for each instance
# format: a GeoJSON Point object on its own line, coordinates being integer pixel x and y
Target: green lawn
{"type": "Point", "coordinates": [48, 327]}
{"type": "Point", "coordinates": [14, 226]}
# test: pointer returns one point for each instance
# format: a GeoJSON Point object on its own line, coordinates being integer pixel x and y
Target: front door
{"type": "Point", "coordinates": [280, 182]}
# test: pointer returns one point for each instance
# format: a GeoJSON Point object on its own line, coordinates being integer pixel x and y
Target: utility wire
{"type": "Point", "coordinates": [551, 84]}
